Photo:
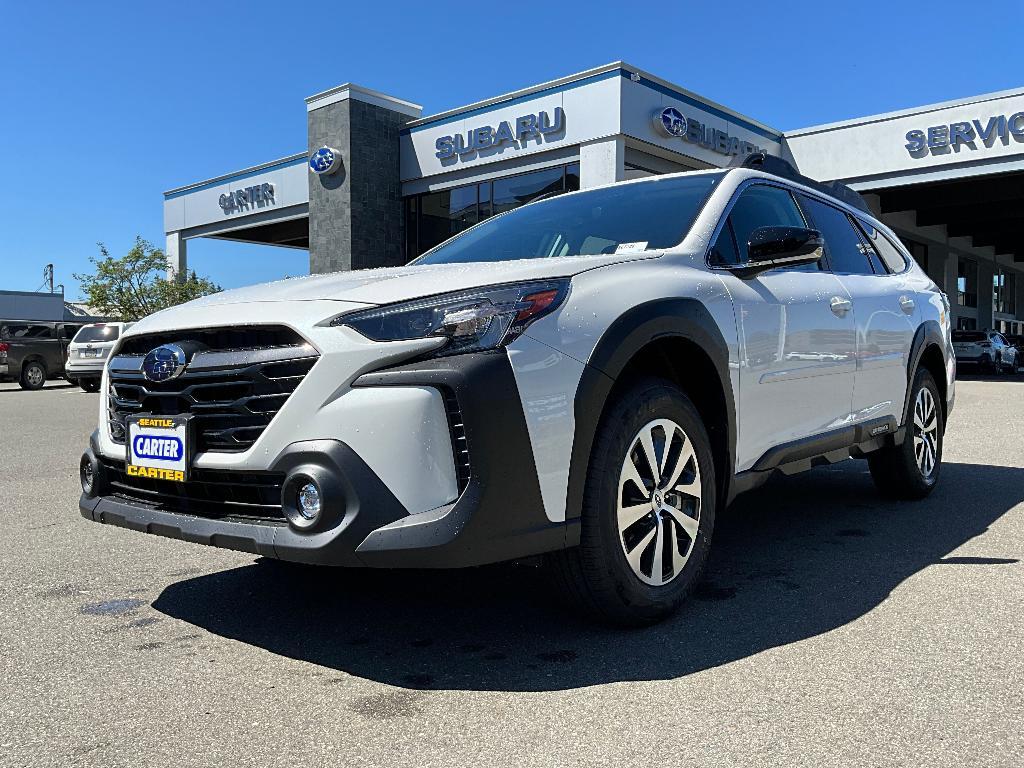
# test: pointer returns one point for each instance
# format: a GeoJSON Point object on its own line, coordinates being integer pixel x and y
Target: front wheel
{"type": "Point", "coordinates": [648, 509]}
{"type": "Point", "coordinates": [33, 376]}
{"type": "Point", "coordinates": [911, 470]}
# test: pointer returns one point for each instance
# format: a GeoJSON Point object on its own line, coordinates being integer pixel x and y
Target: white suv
{"type": "Point", "coordinates": [588, 377]}
{"type": "Point", "coordinates": [88, 352]}
{"type": "Point", "coordinates": [988, 350]}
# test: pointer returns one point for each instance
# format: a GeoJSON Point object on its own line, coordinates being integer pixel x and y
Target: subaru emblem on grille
{"type": "Point", "coordinates": [164, 363]}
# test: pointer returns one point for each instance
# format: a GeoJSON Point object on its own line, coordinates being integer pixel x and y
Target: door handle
{"type": "Point", "coordinates": [840, 306]}
{"type": "Point", "coordinates": [907, 305]}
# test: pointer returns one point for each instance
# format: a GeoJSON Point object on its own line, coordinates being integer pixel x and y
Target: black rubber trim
{"type": "Point", "coordinates": [500, 515]}
{"type": "Point", "coordinates": [665, 318]}
{"type": "Point", "coordinates": [928, 334]}
{"type": "Point", "coordinates": [828, 448]}
{"type": "Point", "coordinates": [355, 502]}
{"type": "Point", "coordinates": [818, 446]}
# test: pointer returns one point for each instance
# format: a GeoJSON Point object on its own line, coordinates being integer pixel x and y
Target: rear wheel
{"type": "Point", "coordinates": [33, 375]}
{"type": "Point", "coordinates": [911, 470]}
{"type": "Point", "coordinates": [648, 510]}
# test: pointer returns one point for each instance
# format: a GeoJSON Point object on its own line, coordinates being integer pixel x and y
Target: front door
{"type": "Point", "coordinates": [796, 334]}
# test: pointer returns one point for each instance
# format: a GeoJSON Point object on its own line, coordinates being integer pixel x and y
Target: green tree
{"type": "Point", "coordinates": [135, 285]}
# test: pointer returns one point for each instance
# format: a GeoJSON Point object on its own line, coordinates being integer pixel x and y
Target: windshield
{"type": "Point", "coordinates": [626, 218]}
{"type": "Point", "coordinates": [96, 333]}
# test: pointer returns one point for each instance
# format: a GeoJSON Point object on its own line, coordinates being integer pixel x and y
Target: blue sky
{"type": "Point", "coordinates": [103, 106]}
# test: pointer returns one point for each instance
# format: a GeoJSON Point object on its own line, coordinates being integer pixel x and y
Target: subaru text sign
{"type": "Point", "coordinates": [539, 126]}
{"type": "Point", "coordinates": [324, 161]}
{"type": "Point", "coordinates": [940, 139]}
{"type": "Point", "coordinates": [671, 122]}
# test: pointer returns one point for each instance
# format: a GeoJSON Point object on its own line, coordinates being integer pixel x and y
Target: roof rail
{"type": "Point", "coordinates": [776, 166]}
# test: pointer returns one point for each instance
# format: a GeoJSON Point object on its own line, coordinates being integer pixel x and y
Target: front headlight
{"type": "Point", "coordinates": [474, 320]}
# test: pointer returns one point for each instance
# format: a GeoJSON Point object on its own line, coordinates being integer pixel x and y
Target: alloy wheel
{"type": "Point", "coordinates": [659, 500]}
{"type": "Point", "coordinates": [926, 432]}
{"type": "Point", "coordinates": [35, 375]}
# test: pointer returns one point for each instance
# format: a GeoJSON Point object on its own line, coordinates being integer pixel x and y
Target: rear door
{"type": "Point", "coordinates": [796, 333]}
{"type": "Point", "coordinates": [883, 304]}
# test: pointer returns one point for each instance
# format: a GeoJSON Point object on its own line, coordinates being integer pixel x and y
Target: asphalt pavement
{"type": "Point", "coordinates": [833, 628]}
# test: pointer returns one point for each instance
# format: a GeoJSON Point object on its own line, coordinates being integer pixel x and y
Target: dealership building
{"type": "Point", "coordinates": [378, 183]}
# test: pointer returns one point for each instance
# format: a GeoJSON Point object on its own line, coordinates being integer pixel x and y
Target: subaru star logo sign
{"type": "Point", "coordinates": [671, 121]}
{"type": "Point", "coordinates": [164, 363]}
{"type": "Point", "coordinates": [324, 161]}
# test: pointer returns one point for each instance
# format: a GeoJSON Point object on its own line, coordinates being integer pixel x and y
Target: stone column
{"type": "Point", "coordinates": [355, 212]}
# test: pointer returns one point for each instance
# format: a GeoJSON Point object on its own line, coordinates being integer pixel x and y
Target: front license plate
{"type": "Point", "coordinates": [158, 447]}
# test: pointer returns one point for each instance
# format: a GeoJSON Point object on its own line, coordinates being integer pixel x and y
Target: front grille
{"type": "Point", "coordinates": [211, 493]}
{"type": "Point", "coordinates": [460, 445]}
{"type": "Point", "coordinates": [232, 392]}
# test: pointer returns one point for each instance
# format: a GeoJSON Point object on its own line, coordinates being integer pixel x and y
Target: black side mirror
{"type": "Point", "coordinates": [771, 247]}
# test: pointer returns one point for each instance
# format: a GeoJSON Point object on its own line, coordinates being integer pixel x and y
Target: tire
{"type": "Point", "coordinates": [89, 385]}
{"type": "Point", "coordinates": [597, 577]}
{"type": "Point", "coordinates": [897, 470]}
{"type": "Point", "coordinates": [33, 375]}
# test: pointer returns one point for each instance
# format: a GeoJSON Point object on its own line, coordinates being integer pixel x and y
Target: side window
{"type": "Point", "coordinates": [843, 245]}
{"type": "Point", "coordinates": [762, 205]}
{"type": "Point", "coordinates": [17, 332]}
{"type": "Point", "coordinates": [888, 252]}
{"type": "Point", "coordinates": [724, 252]}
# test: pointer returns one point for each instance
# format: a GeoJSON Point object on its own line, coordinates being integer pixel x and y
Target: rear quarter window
{"type": "Point", "coordinates": [891, 256]}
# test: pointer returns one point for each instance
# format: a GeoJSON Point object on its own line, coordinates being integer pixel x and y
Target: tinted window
{"type": "Point", "coordinates": [761, 205]}
{"type": "Point", "coordinates": [644, 215]}
{"type": "Point", "coordinates": [845, 249]}
{"type": "Point", "coordinates": [724, 252]}
{"type": "Point", "coordinates": [884, 247]}
{"type": "Point", "coordinates": [93, 333]}
{"type": "Point", "coordinates": [15, 332]}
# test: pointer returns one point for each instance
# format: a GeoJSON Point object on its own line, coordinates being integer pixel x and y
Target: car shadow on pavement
{"type": "Point", "coordinates": [800, 557]}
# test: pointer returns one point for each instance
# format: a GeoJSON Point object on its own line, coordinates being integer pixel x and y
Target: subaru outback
{"type": "Point", "coordinates": [589, 378]}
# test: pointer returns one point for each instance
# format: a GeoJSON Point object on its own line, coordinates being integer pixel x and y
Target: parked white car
{"type": "Point", "coordinates": [589, 378]}
{"type": "Point", "coordinates": [989, 350]}
{"type": "Point", "coordinates": [88, 353]}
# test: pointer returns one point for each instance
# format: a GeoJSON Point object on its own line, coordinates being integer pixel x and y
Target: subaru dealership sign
{"type": "Point", "coordinates": [671, 122]}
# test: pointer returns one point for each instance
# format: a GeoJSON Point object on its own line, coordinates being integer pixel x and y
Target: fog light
{"type": "Point", "coordinates": [308, 501]}
{"type": "Point", "coordinates": [87, 475]}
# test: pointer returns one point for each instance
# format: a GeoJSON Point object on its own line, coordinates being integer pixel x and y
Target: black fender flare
{"type": "Point", "coordinates": [928, 334]}
{"type": "Point", "coordinates": [683, 318]}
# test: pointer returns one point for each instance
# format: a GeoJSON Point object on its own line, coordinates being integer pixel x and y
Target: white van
{"type": "Point", "coordinates": [88, 352]}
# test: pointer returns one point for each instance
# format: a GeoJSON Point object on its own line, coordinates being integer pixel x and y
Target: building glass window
{"type": "Point", "coordinates": [966, 283]}
{"type": "Point", "coordinates": [1003, 288]}
{"type": "Point", "coordinates": [432, 218]}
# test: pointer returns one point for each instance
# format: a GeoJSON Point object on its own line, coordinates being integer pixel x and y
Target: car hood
{"type": "Point", "coordinates": [384, 286]}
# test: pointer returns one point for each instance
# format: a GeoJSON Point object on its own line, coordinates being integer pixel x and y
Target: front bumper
{"type": "Point", "coordinates": [497, 516]}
